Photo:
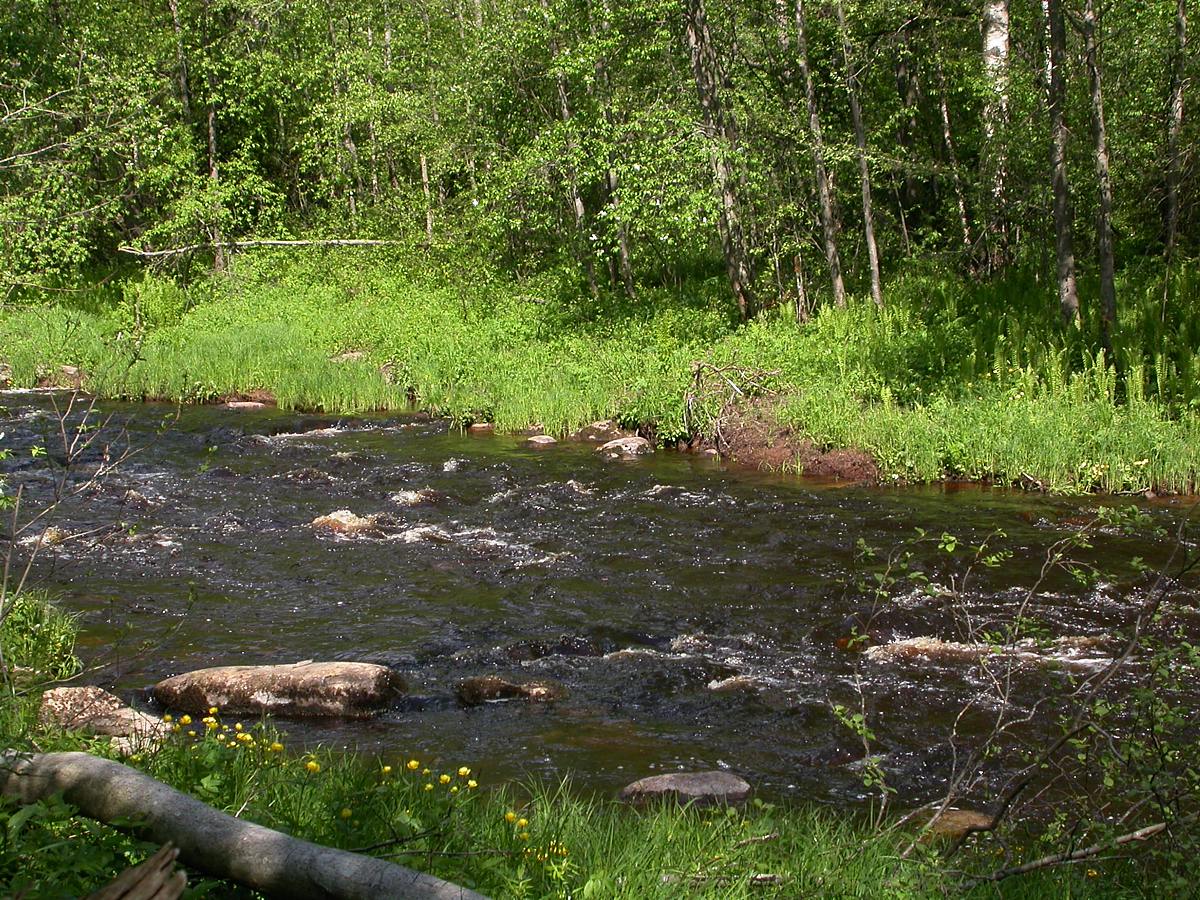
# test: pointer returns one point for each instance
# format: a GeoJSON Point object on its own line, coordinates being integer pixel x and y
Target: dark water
{"type": "Point", "coordinates": [544, 564]}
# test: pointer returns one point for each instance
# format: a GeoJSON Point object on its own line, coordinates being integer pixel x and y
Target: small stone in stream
{"type": "Point", "coordinates": [954, 824]}
{"type": "Point", "coordinates": [343, 521]}
{"type": "Point", "coordinates": [491, 689]}
{"type": "Point", "coordinates": [541, 440]}
{"type": "Point", "coordinates": [626, 447]}
{"type": "Point", "coordinates": [931, 649]}
{"type": "Point", "coordinates": [92, 710]}
{"type": "Point", "coordinates": [415, 498]}
{"type": "Point", "coordinates": [345, 689]}
{"type": "Point", "coordinates": [599, 432]}
{"type": "Point", "coordinates": [735, 684]}
{"type": "Point", "coordinates": [698, 788]}
{"type": "Point", "coordinates": [244, 405]}
{"type": "Point", "coordinates": [308, 475]}
{"type": "Point", "coordinates": [51, 537]}
{"type": "Point", "coordinates": [136, 499]}
{"type": "Point", "coordinates": [481, 428]}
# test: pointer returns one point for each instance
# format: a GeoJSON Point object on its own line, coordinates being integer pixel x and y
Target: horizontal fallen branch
{"type": "Point", "coordinates": [249, 245]}
{"type": "Point", "coordinates": [211, 841]}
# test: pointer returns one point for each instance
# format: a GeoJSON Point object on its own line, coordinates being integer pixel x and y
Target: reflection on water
{"type": "Point", "coordinates": [698, 617]}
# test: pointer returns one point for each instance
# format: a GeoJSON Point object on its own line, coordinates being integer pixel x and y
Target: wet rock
{"type": "Point", "coordinates": [96, 711]}
{"type": "Point", "coordinates": [481, 428]}
{"type": "Point", "coordinates": [698, 788]}
{"type": "Point", "coordinates": [567, 645]}
{"type": "Point", "coordinates": [308, 475]}
{"type": "Point", "coordinates": [491, 689]}
{"type": "Point", "coordinates": [50, 537]}
{"type": "Point", "coordinates": [626, 447]}
{"type": "Point", "coordinates": [343, 521]}
{"type": "Point", "coordinates": [954, 824]}
{"type": "Point", "coordinates": [929, 649]}
{"type": "Point", "coordinates": [136, 500]}
{"type": "Point", "coordinates": [735, 684]}
{"type": "Point", "coordinates": [599, 432]}
{"type": "Point", "coordinates": [244, 405]}
{"type": "Point", "coordinates": [346, 689]}
{"type": "Point", "coordinates": [541, 440]}
{"type": "Point", "coordinates": [415, 498]}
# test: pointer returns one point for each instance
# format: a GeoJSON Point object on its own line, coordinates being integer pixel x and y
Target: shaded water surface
{"type": "Point", "coordinates": [697, 616]}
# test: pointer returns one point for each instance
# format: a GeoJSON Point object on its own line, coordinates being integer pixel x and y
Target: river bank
{"type": "Point", "coordinates": [913, 392]}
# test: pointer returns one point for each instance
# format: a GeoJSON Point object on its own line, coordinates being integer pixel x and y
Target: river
{"type": "Point", "coordinates": [698, 615]}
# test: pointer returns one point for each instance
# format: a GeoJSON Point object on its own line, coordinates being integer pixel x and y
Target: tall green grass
{"type": "Point", "coordinates": [951, 378]}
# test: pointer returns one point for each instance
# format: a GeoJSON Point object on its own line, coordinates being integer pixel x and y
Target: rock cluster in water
{"type": "Point", "coordinates": [92, 710]}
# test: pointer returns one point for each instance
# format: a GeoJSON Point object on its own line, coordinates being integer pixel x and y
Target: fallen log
{"type": "Point", "coordinates": [249, 245]}
{"type": "Point", "coordinates": [211, 841]}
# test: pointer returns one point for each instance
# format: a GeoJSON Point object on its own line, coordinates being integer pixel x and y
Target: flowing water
{"type": "Point", "coordinates": [698, 616]}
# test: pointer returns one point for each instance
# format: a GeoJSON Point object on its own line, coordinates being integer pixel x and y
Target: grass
{"type": "Point", "coordinates": [951, 379]}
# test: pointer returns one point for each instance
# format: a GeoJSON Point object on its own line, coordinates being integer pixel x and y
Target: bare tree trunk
{"type": "Point", "coordinates": [955, 175]}
{"type": "Point", "coordinates": [1175, 129]}
{"type": "Point", "coordinates": [612, 180]}
{"type": "Point", "coordinates": [185, 93]}
{"type": "Point", "coordinates": [824, 182]}
{"type": "Point", "coordinates": [211, 841]}
{"type": "Point", "coordinates": [1068, 293]}
{"type": "Point", "coordinates": [214, 176]}
{"type": "Point", "coordinates": [996, 49]}
{"type": "Point", "coordinates": [722, 134]}
{"type": "Point", "coordinates": [428, 199]}
{"type": "Point", "coordinates": [1104, 231]}
{"type": "Point", "coordinates": [864, 170]}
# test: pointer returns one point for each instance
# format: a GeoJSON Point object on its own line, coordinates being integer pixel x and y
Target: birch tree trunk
{"type": "Point", "coordinates": [1175, 128]}
{"type": "Point", "coordinates": [996, 51]}
{"type": "Point", "coordinates": [1104, 231]}
{"type": "Point", "coordinates": [1068, 292]}
{"type": "Point", "coordinates": [864, 169]}
{"type": "Point", "coordinates": [955, 175]}
{"type": "Point", "coordinates": [824, 183]}
{"type": "Point", "coordinates": [720, 126]}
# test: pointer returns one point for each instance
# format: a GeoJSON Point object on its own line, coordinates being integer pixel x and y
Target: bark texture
{"type": "Point", "coordinates": [211, 841]}
{"type": "Point", "coordinates": [1068, 293]}
{"type": "Point", "coordinates": [1104, 191]}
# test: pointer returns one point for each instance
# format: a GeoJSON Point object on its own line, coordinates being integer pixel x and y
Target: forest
{"type": "Point", "coordinates": [297, 297]}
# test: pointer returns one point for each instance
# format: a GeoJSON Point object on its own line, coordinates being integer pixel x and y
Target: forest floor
{"type": "Point", "coordinates": [936, 386]}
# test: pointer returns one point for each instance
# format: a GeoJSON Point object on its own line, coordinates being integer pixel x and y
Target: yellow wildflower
{"type": "Point", "coordinates": [413, 765]}
{"type": "Point", "coordinates": [191, 733]}
{"type": "Point", "coordinates": [212, 710]}
{"type": "Point", "coordinates": [464, 772]}
{"type": "Point", "coordinates": [185, 719]}
{"type": "Point", "coordinates": [472, 784]}
{"type": "Point", "coordinates": [168, 718]}
{"type": "Point", "coordinates": [237, 727]}
{"type": "Point", "coordinates": [510, 817]}
{"type": "Point", "coordinates": [454, 790]}
{"type": "Point", "coordinates": [521, 823]}
{"type": "Point", "coordinates": [428, 786]}
{"type": "Point", "coordinates": [345, 813]}
{"type": "Point", "coordinates": [276, 747]}
{"type": "Point", "coordinates": [313, 766]}
{"type": "Point", "coordinates": [524, 836]}
{"type": "Point", "coordinates": [426, 772]}
{"type": "Point", "coordinates": [387, 770]}
{"type": "Point", "coordinates": [444, 779]}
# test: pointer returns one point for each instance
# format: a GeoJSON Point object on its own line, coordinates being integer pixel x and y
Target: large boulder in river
{"type": "Point", "coordinates": [301, 689]}
{"type": "Point", "coordinates": [491, 689]}
{"type": "Point", "coordinates": [93, 710]}
{"type": "Point", "coordinates": [697, 788]}
{"type": "Point", "coordinates": [599, 432]}
{"type": "Point", "coordinates": [626, 447]}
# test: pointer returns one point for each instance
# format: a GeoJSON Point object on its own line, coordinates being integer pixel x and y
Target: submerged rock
{"type": "Point", "coordinates": [1065, 652]}
{"type": "Point", "coordinates": [93, 710]}
{"type": "Point", "coordinates": [492, 689]}
{"type": "Point", "coordinates": [481, 428]}
{"type": "Point", "coordinates": [698, 788]}
{"type": "Point", "coordinates": [931, 649]}
{"type": "Point", "coordinates": [541, 440]}
{"type": "Point", "coordinates": [343, 521]}
{"type": "Point", "coordinates": [244, 405]}
{"type": "Point", "coordinates": [626, 447]}
{"type": "Point", "coordinates": [345, 689]}
{"type": "Point", "coordinates": [51, 537]}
